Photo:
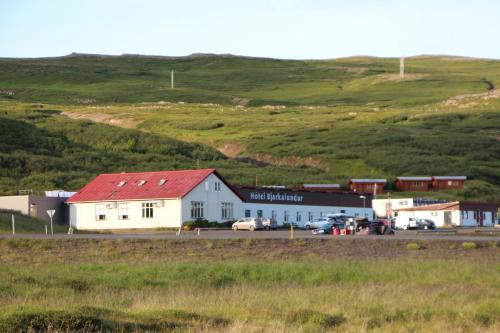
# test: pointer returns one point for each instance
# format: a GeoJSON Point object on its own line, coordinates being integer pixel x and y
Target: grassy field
{"type": "Point", "coordinates": [248, 285]}
{"type": "Point", "coordinates": [289, 122]}
{"type": "Point", "coordinates": [26, 224]}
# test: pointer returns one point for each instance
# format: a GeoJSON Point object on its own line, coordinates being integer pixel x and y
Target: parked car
{"type": "Point", "coordinates": [316, 223]}
{"type": "Point", "coordinates": [407, 223]}
{"type": "Point", "coordinates": [269, 224]}
{"type": "Point", "coordinates": [327, 228]}
{"type": "Point", "coordinates": [426, 224]}
{"type": "Point", "coordinates": [248, 223]}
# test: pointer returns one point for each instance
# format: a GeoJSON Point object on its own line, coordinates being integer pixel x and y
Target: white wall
{"type": "Point", "coordinates": [293, 209]}
{"type": "Point", "coordinates": [19, 203]}
{"type": "Point", "coordinates": [212, 200]}
{"type": "Point", "coordinates": [83, 216]}
{"type": "Point", "coordinates": [380, 205]}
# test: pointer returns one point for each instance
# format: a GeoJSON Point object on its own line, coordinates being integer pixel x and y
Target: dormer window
{"type": "Point", "coordinates": [162, 182]}
{"type": "Point", "coordinates": [122, 183]}
{"type": "Point", "coordinates": [141, 182]}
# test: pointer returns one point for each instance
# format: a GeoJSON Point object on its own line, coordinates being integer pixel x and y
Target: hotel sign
{"type": "Point", "coordinates": [276, 196]}
{"type": "Point", "coordinates": [306, 198]}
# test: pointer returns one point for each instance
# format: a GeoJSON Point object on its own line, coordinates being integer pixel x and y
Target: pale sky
{"type": "Point", "coordinates": [293, 29]}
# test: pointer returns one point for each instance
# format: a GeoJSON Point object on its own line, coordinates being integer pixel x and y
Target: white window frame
{"type": "Point", "coordinates": [100, 212]}
{"type": "Point", "coordinates": [274, 215]}
{"type": "Point", "coordinates": [197, 209]}
{"type": "Point", "coordinates": [286, 216]}
{"type": "Point", "coordinates": [310, 216]}
{"type": "Point", "coordinates": [248, 213]}
{"type": "Point", "coordinates": [217, 186]}
{"type": "Point", "coordinates": [147, 210]}
{"type": "Point", "coordinates": [298, 217]}
{"type": "Point", "coordinates": [227, 210]}
{"type": "Point", "coordinates": [260, 213]}
{"type": "Point", "coordinates": [123, 211]}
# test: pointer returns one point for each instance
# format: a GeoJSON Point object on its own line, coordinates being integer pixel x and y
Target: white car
{"type": "Point", "coordinates": [248, 223]}
{"type": "Point", "coordinates": [316, 223]}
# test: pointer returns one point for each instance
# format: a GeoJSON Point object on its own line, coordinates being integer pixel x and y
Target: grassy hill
{"type": "Point", "coordinates": [286, 121]}
{"type": "Point", "coordinates": [26, 224]}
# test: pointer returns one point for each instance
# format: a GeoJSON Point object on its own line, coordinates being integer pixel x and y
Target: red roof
{"type": "Point", "coordinates": [106, 187]}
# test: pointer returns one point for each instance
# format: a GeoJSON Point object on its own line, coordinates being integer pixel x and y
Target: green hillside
{"type": "Point", "coordinates": [286, 121]}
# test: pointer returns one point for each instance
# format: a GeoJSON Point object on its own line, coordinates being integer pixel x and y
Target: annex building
{"type": "Point", "coordinates": [169, 198]}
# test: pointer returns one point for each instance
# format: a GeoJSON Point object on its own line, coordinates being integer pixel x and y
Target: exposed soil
{"type": "Point", "coordinates": [232, 149]}
{"type": "Point", "coordinates": [120, 120]}
{"type": "Point", "coordinates": [467, 100]}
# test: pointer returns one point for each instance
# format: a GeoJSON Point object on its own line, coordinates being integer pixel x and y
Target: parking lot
{"type": "Point", "coordinates": [485, 234]}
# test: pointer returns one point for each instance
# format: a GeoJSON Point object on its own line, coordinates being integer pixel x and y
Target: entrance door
{"type": "Point", "coordinates": [447, 219]}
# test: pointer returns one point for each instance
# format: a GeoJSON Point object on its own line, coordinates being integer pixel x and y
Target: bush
{"type": "Point", "coordinates": [313, 318]}
{"type": "Point", "coordinates": [469, 245]}
{"type": "Point", "coordinates": [50, 321]}
{"type": "Point", "coordinates": [202, 223]}
{"type": "Point", "coordinates": [413, 246]}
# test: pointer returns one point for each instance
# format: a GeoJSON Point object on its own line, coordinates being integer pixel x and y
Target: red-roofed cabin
{"type": "Point", "coordinates": [368, 186]}
{"type": "Point", "coordinates": [413, 184]}
{"type": "Point", "coordinates": [153, 200]}
{"type": "Point", "coordinates": [448, 182]}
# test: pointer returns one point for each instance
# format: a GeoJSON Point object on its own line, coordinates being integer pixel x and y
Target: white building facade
{"type": "Point", "coordinates": [153, 200]}
{"type": "Point", "coordinates": [299, 206]}
{"type": "Point", "coordinates": [464, 214]}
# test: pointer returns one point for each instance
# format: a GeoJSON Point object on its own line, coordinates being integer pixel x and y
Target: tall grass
{"type": "Point", "coordinates": [272, 296]}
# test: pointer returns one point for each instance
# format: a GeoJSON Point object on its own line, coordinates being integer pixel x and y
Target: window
{"type": "Point", "coordinates": [343, 211]}
{"type": "Point", "coordinates": [162, 182]}
{"type": "Point", "coordinates": [197, 210]}
{"type": "Point", "coordinates": [100, 212]}
{"type": "Point", "coordinates": [274, 216]}
{"type": "Point", "coordinates": [310, 216]}
{"type": "Point", "coordinates": [286, 216]}
{"type": "Point", "coordinates": [299, 217]}
{"type": "Point", "coordinates": [123, 211]}
{"type": "Point", "coordinates": [403, 202]}
{"type": "Point", "coordinates": [259, 213]}
{"type": "Point", "coordinates": [434, 213]}
{"type": "Point", "coordinates": [122, 183]}
{"type": "Point", "coordinates": [147, 210]}
{"type": "Point", "coordinates": [227, 210]}
{"type": "Point", "coordinates": [248, 213]}
{"type": "Point", "coordinates": [217, 186]}
{"type": "Point", "coordinates": [141, 182]}
{"type": "Point", "coordinates": [322, 214]}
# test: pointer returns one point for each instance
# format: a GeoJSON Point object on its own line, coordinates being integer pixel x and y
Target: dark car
{"type": "Point", "coordinates": [425, 224]}
{"type": "Point", "coordinates": [377, 227]}
{"type": "Point", "coordinates": [327, 228]}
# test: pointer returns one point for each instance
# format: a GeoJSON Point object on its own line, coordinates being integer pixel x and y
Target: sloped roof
{"type": "Point", "coordinates": [414, 178]}
{"type": "Point", "coordinates": [441, 206]}
{"type": "Point", "coordinates": [106, 187]}
{"type": "Point", "coordinates": [450, 177]}
{"type": "Point", "coordinates": [367, 180]}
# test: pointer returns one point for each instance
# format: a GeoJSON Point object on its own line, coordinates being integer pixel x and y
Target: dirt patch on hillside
{"type": "Point", "coordinates": [397, 77]}
{"type": "Point", "coordinates": [119, 120]}
{"type": "Point", "coordinates": [467, 100]}
{"type": "Point", "coordinates": [232, 149]}
{"type": "Point", "coordinates": [291, 161]}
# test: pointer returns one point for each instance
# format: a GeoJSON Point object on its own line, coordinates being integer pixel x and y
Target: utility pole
{"type": "Point", "coordinates": [172, 86]}
{"type": "Point", "coordinates": [402, 68]}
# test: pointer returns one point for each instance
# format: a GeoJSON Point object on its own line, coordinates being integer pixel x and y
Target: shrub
{"type": "Point", "coordinates": [313, 318]}
{"type": "Point", "coordinates": [50, 321]}
{"type": "Point", "coordinates": [469, 245]}
{"type": "Point", "coordinates": [413, 246]}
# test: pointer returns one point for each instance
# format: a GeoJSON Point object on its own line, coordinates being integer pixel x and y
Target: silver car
{"type": "Point", "coordinates": [248, 223]}
{"type": "Point", "coordinates": [316, 223]}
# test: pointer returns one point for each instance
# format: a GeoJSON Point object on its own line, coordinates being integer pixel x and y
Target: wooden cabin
{"type": "Point", "coordinates": [448, 182]}
{"type": "Point", "coordinates": [368, 186]}
{"type": "Point", "coordinates": [413, 184]}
